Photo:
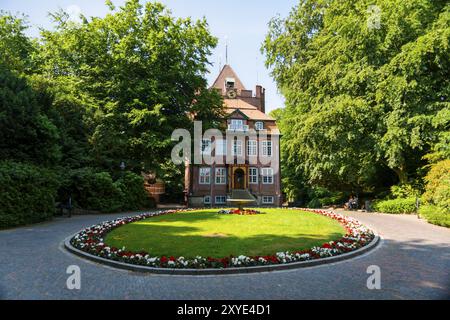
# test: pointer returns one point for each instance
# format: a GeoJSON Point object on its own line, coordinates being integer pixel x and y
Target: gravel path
{"type": "Point", "coordinates": [414, 258]}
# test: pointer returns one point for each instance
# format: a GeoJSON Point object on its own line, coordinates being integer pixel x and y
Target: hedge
{"type": "Point", "coordinates": [435, 215]}
{"type": "Point", "coordinates": [98, 191]}
{"type": "Point", "coordinates": [27, 194]}
{"type": "Point", "coordinates": [407, 205]}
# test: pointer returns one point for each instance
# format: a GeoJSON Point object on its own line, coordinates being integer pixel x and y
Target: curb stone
{"type": "Point", "coordinates": [204, 272]}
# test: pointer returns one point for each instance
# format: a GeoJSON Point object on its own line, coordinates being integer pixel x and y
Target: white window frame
{"type": "Point", "coordinates": [205, 148]}
{"type": "Point", "coordinates": [221, 176]}
{"type": "Point", "coordinates": [220, 202]}
{"type": "Point", "coordinates": [267, 175]}
{"type": "Point", "coordinates": [204, 176]}
{"type": "Point", "coordinates": [205, 201]}
{"type": "Point", "coordinates": [221, 147]}
{"type": "Point", "coordinates": [237, 124]}
{"type": "Point", "coordinates": [267, 148]}
{"type": "Point", "coordinates": [237, 146]}
{"type": "Point", "coordinates": [252, 148]}
{"type": "Point", "coordinates": [253, 175]}
{"type": "Point", "coordinates": [259, 125]}
{"type": "Point", "coordinates": [265, 200]}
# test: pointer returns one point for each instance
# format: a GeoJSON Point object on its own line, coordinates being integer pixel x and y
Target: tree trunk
{"type": "Point", "coordinates": [401, 174]}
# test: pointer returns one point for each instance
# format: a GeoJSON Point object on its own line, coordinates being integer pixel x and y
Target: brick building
{"type": "Point", "coordinates": [212, 185]}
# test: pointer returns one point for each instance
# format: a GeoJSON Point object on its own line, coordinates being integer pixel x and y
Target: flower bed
{"type": "Point", "coordinates": [91, 241]}
{"type": "Point", "coordinates": [245, 212]}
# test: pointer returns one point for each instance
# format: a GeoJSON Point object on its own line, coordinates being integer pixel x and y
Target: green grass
{"type": "Point", "coordinates": [208, 234]}
{"type": "Point", "coordinates": [435, 215]}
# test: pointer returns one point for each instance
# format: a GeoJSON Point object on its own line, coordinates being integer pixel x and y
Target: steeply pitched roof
{"type": "Point", "coordinates": [251, 112]}
{"type": "Point", "coordinates": [238, 104]}
{"type": "Point", "coordinates": [228, 72]}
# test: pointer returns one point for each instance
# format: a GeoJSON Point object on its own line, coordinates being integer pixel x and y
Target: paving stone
{"type": "Point", "coordinates": [414, 258]}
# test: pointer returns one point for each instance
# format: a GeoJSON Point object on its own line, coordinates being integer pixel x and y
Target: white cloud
{"type": "Point", "coordinates": [74, 12]}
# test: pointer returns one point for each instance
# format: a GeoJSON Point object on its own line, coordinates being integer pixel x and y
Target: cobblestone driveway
{"type": "Point", "coordinates": [414, 258]}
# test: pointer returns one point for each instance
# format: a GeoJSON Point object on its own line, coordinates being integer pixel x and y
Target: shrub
{"type": "Point", "coordinates": [435, 215]}
{"type": "Point", "coordinates": [97, 191]}
{"type": "Point", "coordinates": [438, 186]}
{"type": "Point", "coordinates": [314, 204]}
{"type": "Point", "coordinates": [407, 205]}
{"type": "Point", "coordinates": [27, 194]}
{"type": "Point", "coordinates": [323, 197]}
{"type": "Point", "coordinates": [134, 194]}
{"type": "Point", "coordinates": [336, 198]}
{"type": "Point", "coordinates": [94, 190]}
{"type": "Point", "coordinates": [404, 191]}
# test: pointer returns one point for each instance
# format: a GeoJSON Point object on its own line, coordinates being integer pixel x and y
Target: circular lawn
{"type": "Point", "coordinates": [206, 233]}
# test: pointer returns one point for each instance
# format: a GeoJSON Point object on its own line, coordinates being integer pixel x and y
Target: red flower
{"type": "Point", "coordinates": [224, 262]}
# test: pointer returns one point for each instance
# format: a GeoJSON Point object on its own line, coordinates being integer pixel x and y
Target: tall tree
{"type": "Point", "coordinates": [140, 71]}
{"type": "Point", "coordinates": [362, 86]}
{"type": "Point", "coordinates": [26, 132]}
{"type": "Point", "coordinates": [16, 48]}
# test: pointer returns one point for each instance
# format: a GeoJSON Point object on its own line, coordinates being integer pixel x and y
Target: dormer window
{"type": "Point", "coordinates": [259, 125]}
{"type": "Point", "coordinates": [229, 83]}
{"type": "Point", "coordinates": [236, 124]}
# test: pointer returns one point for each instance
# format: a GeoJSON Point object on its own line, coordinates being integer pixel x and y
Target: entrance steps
{"type": "Point", "coordinates": [242, 195]}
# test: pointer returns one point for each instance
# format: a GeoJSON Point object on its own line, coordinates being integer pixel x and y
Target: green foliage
{"type": "Point", "coordinates": [98, 191]}
{"type": "Point", "coordinates": [26, 134]}
{"type": "Point", "coordinates": [401, 206]}
{"type": "Point", "coordinates": [435, 215]}
{"type": "Point", "coordinates": [142, 72]}
{"type": "Point", "coordinates": [173, 178]}
{"type": "Point", "coordinates": [27, 194]}
{"type": "Point", "coordinates": [337, 198]}
{"type": "Point", "coordinates": [134, 194]}
{"type": "Point", "coordinates": [314, 203]}
{"type": "Point", "coordinates": [15, 47]}
{"type": "Point", "coordinates": [363, 105]}
{"type": "Point", "coordinates": [404, 191]}
{"type": "Point", "coordinates": [93, 190]}
{"type": "Point", "coordinates": [93, 94]}
{"type": "Point", "coordinates": [438, 185]}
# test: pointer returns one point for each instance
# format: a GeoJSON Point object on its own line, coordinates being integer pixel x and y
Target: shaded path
{"type": "Point", "coordinates": [414, 258]}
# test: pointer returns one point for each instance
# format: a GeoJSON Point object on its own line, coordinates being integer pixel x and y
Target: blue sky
{"type": "Point", "coordinates": [242, 22]}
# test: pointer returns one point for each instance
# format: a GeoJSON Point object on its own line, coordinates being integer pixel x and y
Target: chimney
{"type": "Point", "coordinates": [261, 96]}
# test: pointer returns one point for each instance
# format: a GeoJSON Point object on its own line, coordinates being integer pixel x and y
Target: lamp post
{"type": "Point", "coordinates": [122, 167]}
{"type": "Point", "coordinates": [417, 207]}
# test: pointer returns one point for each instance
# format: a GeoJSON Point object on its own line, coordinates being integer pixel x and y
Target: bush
{"type": "Point", "coordinates": [134, 195]}
{"type": "Point", "coordinates": [438, 186]}
{"type": "Point", "coordinates": [435, 215]}
{"type": "Point", "coordinates": [337, 198]}
{"type": "Point", "coordinates": [319, 197]}
{"type": "Point", "coordinates": [314, 204]}
{"type": "Point", "coordinates": [94, 190]}
{"type": "Point", "coordinates": [27, 194]}
{"type": "Point", "coordinates": [404, 191]}
{"type": "Point", "coordinates": [97, 191]}
{"type": "Point", "coordinates": [407, 205]}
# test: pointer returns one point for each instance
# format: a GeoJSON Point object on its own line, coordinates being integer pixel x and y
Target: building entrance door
{"type": "Point", "coordinates": [239, 179]}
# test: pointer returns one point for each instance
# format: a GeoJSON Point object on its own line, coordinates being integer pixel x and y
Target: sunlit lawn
{"type": "Point", "coordinates": [208, 234]}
